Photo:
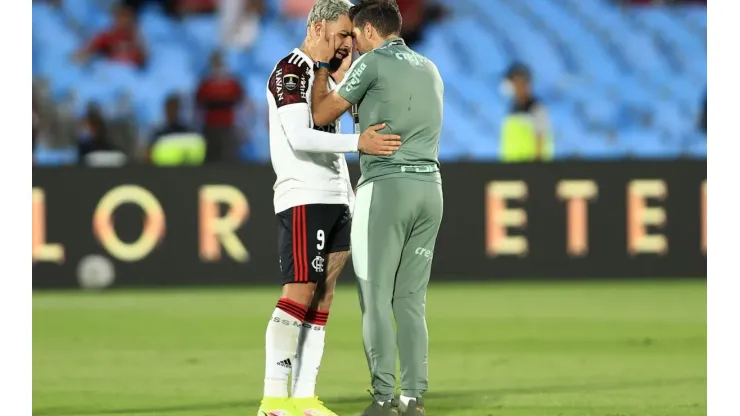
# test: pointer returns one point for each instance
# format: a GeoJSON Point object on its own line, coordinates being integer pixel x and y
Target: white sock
{"type": "Point", "coordinates": [405, 402]}
{"type": "Point", "coordinates": [281, 341]}
{"type": "Point", "coordinates": [309, 356]}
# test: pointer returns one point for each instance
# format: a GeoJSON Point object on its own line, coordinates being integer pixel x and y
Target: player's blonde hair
{"type": "Point", "coordinates": [328, 10]}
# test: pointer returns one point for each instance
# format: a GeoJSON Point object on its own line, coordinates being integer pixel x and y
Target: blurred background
{"type": "Point", "coordinates": [617, 78]}
{"type": "Point", "coordinates": [573, 284]}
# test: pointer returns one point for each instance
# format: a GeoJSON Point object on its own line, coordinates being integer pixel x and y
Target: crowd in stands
{"type": "Point", "coordinates": [120, 75]}
{"type": "Point", "coordinates": [219, 109]}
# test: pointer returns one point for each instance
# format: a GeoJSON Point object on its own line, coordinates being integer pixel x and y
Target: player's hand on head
{"type": "Point", "coordinates": [321, 45]}
{"type": "Point", "coordinates": [340, 72]}
{"type": "Point", "coordinates": [378, 144]}
{"type": "Point", "coordinates": [347, 61]}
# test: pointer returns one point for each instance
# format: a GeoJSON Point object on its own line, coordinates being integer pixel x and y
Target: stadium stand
{"type": "Point", "coordinates": [618, 81]}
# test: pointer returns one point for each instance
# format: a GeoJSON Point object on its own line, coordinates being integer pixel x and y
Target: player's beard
{"type": "Point", "coordinates": [336, 62]}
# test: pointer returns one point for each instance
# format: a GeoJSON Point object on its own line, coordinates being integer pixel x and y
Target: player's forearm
{"type": "Point", "coordinates": [310, 140]}
{"type": "Point", "coordinates": [320, 105]}
{"type": "Point", "coordinates": [305, 139]}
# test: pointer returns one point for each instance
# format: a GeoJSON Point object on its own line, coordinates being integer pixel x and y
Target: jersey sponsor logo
{"type": "Point", "coordinates": [423, 252]}
{"type": "Point", "coordinates": [313, 327]}
{"type": "Point", "coordinates": [412, 58]}
{"type": "Point", "coordinates": [354, 79]}
{"type": "Point", "coordinates": [304, 85]}
{"type": "Point", "coordinates": [279, 84]}
{"type": "Point", "coordinates": [285, 322]}
{"type": "Point", "coordinates": [291, 81]}
{"type": "Point", "coordinates": [318, 264]}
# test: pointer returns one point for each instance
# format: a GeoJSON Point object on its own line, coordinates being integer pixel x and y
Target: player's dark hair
{"type": "Point", "coordinates": [382, 14]}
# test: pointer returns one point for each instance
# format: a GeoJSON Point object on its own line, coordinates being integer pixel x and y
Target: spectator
{"type": "Point", "coordinates": [297, 8]}
{"type": "Point", "coordinates": [94, 148]}
{"type": "Point", "coordinates": [176, 143]}
{"type": "Point", "coordinates": [412, 12]}
{"type": "Point", "coordinates": [121, 43]}
{"type": "Point", "coordinates": [189, 7]}
{"type": "Point", "coordinates": [240, 22]}
{"type": "Point", "coordinates": [176, 8]}
{"type": "Point", "coordinates": [416, 15]}
{"type": "Point", "coordinates": [526, 132]}
{"type": "Point", "coordinates": [218, 98]}
{"type": "Point", "coordinates": [124, 131]}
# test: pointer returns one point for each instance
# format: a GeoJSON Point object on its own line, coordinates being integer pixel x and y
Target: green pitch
{"type": "Point", "coordinates": [570, 349]}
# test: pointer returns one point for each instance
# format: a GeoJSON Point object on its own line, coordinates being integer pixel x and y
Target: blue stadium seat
{"type": "Point", "coordinates": [45, 156]}
{"type": "Point", "coordinates": [296, 27]}
{"type": "Point", "coordinates": [202, 32]}
{"type": "Point", "coordinates": [63, 76]}
{"type": "Point", "coordinates": [671, 120]}
{"type": "Point", "coordinates": [698, 149]}
{"type": "Point", "coordinates": [599, 146]}
{"type": "Point", "coordinates": [271, 46]}
{"type": "Point", "coordinates": [647, 144]}
{"type": "Point", "coordinates": [121, 78]}
{"type": "Point", "coordinates": [458, 134]}
{"type": "Point", "coordinates": [89, 91]}
{"type": "Point", "coordinates": [171, 68]}
{"type": "Point", "coordinates": [156, 27]}
{"type": "Point", "coordinates": [437, 47]}
{"type": "Point", "coordinates": [601, 113]}
{"type": "Point", "coordinates": [486, 56]}
{"type": "Point", "coordinates": [256, 86]}
{"type": "Point", "coordinates": [148, 104]}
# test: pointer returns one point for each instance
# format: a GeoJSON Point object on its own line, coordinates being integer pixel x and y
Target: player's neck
{"type": "Point", "coordinates": [382, 40]}
{"type": "Point", "coordinates": [304, 49]}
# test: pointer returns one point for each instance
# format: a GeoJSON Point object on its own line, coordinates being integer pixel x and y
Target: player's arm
{"type": "Point", "coordinates": [288, 86]}
{"type": "Point", "coordinates": [328, 106]}
{"type": "Point", "coordinates": [295, 121]}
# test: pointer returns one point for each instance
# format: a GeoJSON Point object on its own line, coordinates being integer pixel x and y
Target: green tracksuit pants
{"type": "Point", "coordinates": [394, 229]}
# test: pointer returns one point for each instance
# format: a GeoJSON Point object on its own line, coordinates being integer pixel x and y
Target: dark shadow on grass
{"type": "Point", "coordinates": [461, 399]}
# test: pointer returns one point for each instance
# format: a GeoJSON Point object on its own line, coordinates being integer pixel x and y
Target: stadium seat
{"type": "Point", "coordinates": [45, 156]}
{"type": "Point", "coordinates": [272, 45]}
{"type": "Point", "coordinates": [156, 27]}
{"type": "Point", "coordinates": [121, 78]}
{"type": "Point", "coordinates": [203, 33]}
{"type": "Point", "coordinates": [698, 149]}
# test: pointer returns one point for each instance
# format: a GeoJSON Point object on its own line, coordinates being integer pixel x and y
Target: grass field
{"type": "Point", "coordinates": [566, 349]}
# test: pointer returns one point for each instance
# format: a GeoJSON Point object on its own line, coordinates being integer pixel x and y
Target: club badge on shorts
{"type": "Point", "coordinates": [318, 264]}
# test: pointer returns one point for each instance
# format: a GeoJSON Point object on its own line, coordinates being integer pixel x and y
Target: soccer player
{"type": "Point", "coordinates": [313, 196]}
{"type": "Point", "coordinates": [398, 209]}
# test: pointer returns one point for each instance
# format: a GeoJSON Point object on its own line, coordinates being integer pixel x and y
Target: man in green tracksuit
{"type": "Point", "coordinates": [398, 209]}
